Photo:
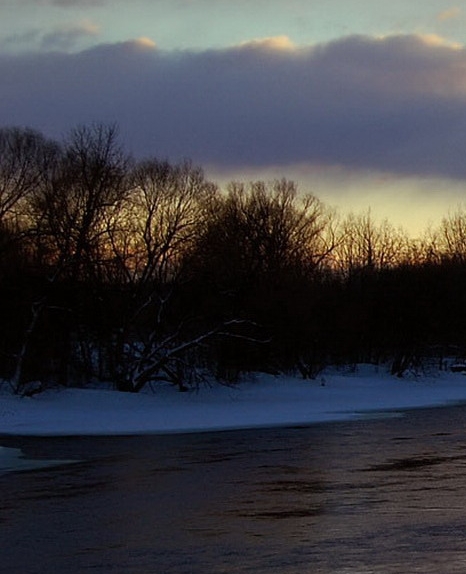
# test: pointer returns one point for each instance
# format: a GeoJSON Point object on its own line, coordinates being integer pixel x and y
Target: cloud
{"type": "Point", "coordinates": [68, 35]}
{"type": "Point", "coordinates": [63, 37]}
{"type": "Point", "coordinates": [275, 43]}
{"type": "Point", "coordinates": [393, 104]}
{"type": "Point", "coordinates": [25, 38]}
{"type": "Point", "coordinates": [450, 14]}
{"type": "Point", "coordinates": [144, 43]}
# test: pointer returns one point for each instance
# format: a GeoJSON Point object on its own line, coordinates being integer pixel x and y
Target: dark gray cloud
{"type": "Point", "coordinates": [396, 104]}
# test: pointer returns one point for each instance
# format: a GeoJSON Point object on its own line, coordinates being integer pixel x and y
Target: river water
{"type": "Point", "coordinates": [370, 496]}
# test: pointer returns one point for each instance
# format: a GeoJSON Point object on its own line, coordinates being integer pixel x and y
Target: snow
{"type": "Point", "coordinates": [263, 401]}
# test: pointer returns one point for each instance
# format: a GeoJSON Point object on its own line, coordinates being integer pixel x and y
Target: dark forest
{"type": "Point", "coordinates": [138, 271]}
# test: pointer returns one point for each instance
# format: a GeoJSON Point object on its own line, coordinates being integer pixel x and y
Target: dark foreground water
{"type": "Point", "coordinates": [374, 496]}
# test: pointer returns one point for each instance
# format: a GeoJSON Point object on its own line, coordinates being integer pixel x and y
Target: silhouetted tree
{"type": "Point", "coordinates": [367, 245]}
{"type": "Point", "coordinates": [262, 247]}
{"type": "Point", "coordinates": [163, 214]}
{"type": "Point", "coordinates": [71, 210]}
{"type": "Point", "coordinates": [143, 271]}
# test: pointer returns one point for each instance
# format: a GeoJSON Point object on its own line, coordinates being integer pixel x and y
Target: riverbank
{"type": "Point", "coordinates": [262, 401]}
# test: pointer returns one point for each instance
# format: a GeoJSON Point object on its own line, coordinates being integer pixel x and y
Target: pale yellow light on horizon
{"type": "Point", "coordinates": [145, 42]}
{"type": "Point", "coordinates": [277, 43]}
{"type": "Point", "coordinates": [437, 41]}
{"type": "Point", "coordinates": [416, 204]}
{"type": "Point", "coordinates": [432, 40]}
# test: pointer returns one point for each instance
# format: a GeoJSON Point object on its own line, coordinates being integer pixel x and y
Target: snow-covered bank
{"type": "Point", "coordinates": [264, 401]}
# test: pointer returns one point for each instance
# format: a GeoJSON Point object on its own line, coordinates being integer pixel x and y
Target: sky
{"type": "Point", "coordinates": [361, 102]}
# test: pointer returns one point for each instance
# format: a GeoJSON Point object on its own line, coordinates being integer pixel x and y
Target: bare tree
{"type": "Point", "coordinates": [23, 153]}
{"type": "Point", "coordinates": [266, 229]}
{"type": "Point", "coordinates": [162, 216]}
{"type": "Point", "coordinates": [369, 245]}
{"type": "Point", "coordinates": [72, 208]}
{"type": "Point", "coordinates": [161, 220]}
{"type": "Point", "coordinates": [263, 247]}
{"type": "Point", "coordinates": [67, 206]}
{"type": "Point", "coordinates": [451, 236]}
{"type": "Point", "coordinates": [26, 157]}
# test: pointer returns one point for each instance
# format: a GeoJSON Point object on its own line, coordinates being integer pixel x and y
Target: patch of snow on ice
{"type": "Point", "coordinates": [12, 459]}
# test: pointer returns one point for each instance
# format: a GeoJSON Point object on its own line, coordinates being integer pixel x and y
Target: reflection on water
{"type": "Point", "coordinates": [383, 496]}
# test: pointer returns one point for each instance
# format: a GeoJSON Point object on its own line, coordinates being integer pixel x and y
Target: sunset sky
{"type": "Point", "coordinates": [362, 102]}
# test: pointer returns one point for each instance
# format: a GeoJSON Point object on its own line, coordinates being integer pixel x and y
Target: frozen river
{"type": "Point", "coordinates": [373, 496]}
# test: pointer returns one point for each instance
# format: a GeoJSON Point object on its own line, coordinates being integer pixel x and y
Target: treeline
{"type": "Point", "coordinates": [113, 269]}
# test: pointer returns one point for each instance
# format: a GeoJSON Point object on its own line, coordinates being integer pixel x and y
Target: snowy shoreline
{"type": "Point", "coordinates": [264, 401]}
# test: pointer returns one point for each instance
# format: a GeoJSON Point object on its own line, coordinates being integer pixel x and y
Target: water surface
{"type": "Point", "coordinates": [371, 496]}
